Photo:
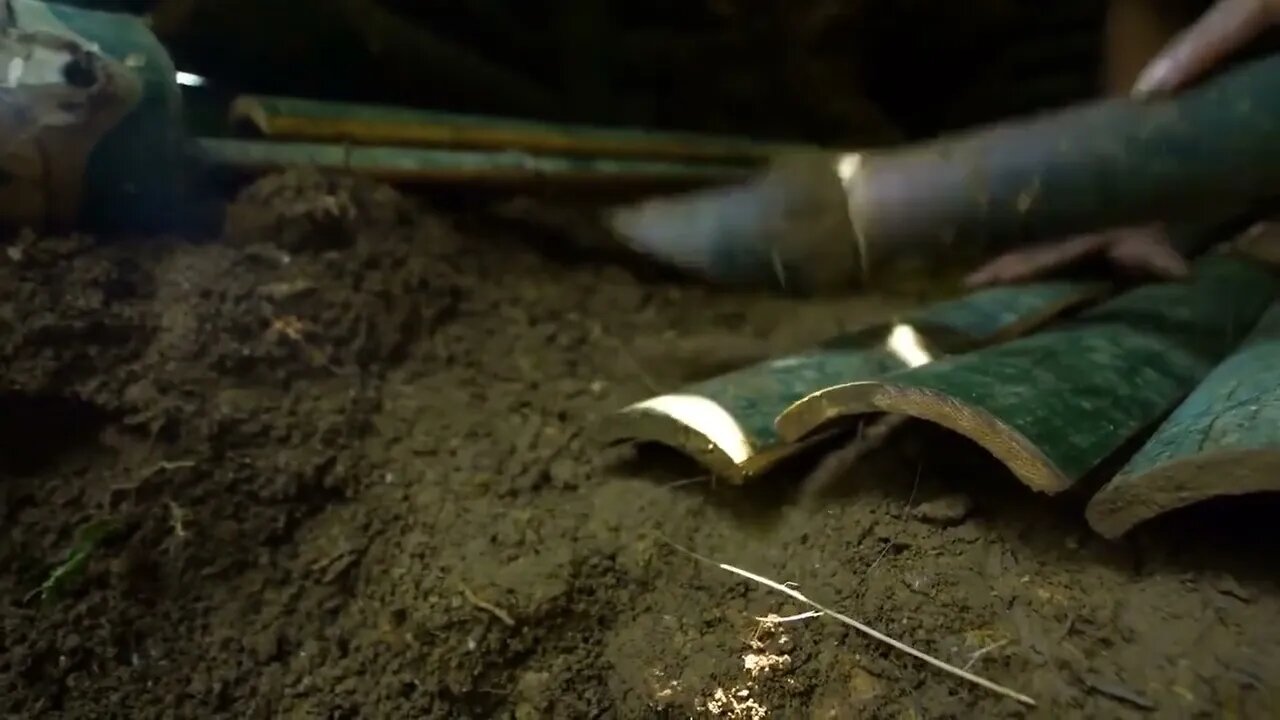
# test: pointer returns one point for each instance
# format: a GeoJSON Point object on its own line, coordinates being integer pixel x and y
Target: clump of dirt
{"type": "Point", "coordinates": [340, 464]}
{"type": "Point", "coordinates": [307, 209]}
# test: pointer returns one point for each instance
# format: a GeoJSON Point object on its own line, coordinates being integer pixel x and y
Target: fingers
{"type": "Point", "coordinates": [1143, 251]}
{"type": "Point", "coordinates": [1035, 261]}
{"type": "Point", "coordinates": [1261, 242]}
{"type": "Point", "coordinates": [1148, 253]}
{"type": "Point", "coordinates": [1225, 28]}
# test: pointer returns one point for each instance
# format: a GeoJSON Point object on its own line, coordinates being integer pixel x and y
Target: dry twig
{"type": "Point", "coordinates": [862, 628]}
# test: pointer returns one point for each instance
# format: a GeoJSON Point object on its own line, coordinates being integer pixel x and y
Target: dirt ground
{"type": "Point", "coordinates": [341, 466]}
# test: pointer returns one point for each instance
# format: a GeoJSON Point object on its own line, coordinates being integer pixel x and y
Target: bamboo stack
{"type": "Point", "coordinates": [413, 146]}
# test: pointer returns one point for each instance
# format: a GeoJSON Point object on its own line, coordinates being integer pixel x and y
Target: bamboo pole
{"type": "Point", "coordinates": [883, 217]}
{"type": "Point", "coordinates": [430, 166]}
{"type": "Point", "coordinates": [283, 118]}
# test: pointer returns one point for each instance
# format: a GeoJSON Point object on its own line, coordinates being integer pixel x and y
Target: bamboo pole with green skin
{"type": "Point", "coordinates": [1223, 440]}
{"type": "Point", "coordinates": [283, 118]}
{"type": "Point", "coordinates": [727, 423]}
{"type": "Point", "coordinates": [890, 216]}
{"type": "Point", "coordinates": [437, 166]}
{"type": "Point", "coordinates": [1054, 405]}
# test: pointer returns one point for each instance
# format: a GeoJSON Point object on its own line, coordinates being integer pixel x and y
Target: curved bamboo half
{"type": "Point", "coordinates": [727, 423]}
{"type": "Point", "coordinates": [1223, 440]}
{"type": "Point", "coordinates": [1055, 405]}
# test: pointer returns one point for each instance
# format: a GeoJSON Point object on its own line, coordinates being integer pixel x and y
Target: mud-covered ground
{"type": "Point", "coordinates": [340, 466]}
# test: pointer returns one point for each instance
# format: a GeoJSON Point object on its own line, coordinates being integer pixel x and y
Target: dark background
{"type": "Point", "coordinates": [837, 71]}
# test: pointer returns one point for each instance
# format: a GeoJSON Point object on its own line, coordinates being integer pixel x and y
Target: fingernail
{"type": "Point", "coordinates": [1151, 81]}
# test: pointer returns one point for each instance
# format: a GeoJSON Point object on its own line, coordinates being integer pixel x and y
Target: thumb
{"type": "Point", "coordinates": [1222, 30]}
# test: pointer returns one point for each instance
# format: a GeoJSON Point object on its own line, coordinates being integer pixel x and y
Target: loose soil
{"type": "Point", "coordinates": [340, 465]}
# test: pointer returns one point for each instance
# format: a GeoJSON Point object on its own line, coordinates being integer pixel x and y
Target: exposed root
{"type": "Point", "coordinates": [488, 607]}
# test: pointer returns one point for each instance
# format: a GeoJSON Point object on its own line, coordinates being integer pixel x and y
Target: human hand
{"type": "Point", "coordinates": [1222, 30]}
{"type": "Point", "coordinates": [1142, 251]}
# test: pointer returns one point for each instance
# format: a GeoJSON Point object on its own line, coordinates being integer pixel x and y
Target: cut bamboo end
{"type": "Point", "coordinates": [696, 426]}
{"type": "Point", "coordinates": [845, 403]}
{"type": "Point", "coordinates": [248, 112]}
{"type": "Point", "coordinates": [727, 422]}
{"type": "Point", "coordinates": [703, 431]}
{"type": "Point", "coordinates": [1130, 500]}
{"type": "Point", "coordinates": [787, 228]}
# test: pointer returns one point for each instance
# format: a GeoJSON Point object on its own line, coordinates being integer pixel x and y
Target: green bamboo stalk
{"type": "Point", "coordinates": [727, 423]}
{"type": "Point", "coordinates": [1054, 405]}
{"type": "Point", "coordinates": [284, 118]}
{"type": "Point", "coordinates": [1223, 440]}
{"type": "Point", "coordinates": [889, 216]}
{"type": "Point", "coordinates": [419, 165]}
